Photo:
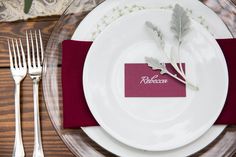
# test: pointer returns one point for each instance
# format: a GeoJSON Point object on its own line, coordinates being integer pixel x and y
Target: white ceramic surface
{"type": "Point", "coordinates": [154, 124]}
{"type": "Point", "coordinates": [84, 32]}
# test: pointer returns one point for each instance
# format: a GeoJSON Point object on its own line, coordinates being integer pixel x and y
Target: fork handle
{"type": "Point", "coordinates": [38, 149]}
{"type": "Point", "coordinates": [18, 150]}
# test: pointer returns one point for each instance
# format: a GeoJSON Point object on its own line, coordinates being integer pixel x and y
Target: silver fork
{"type": "Point", "coordinates": [35, 70]}
{"type": "Point", "coordinates": [19, 71]}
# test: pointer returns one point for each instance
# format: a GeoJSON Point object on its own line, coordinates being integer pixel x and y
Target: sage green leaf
{"type": "Point", "coordinates": [159, 37]}
{"type": "Point", "coordinates": [156, 65]}
{"type": "Point", "coordinates": [180, 23]}
{"type": "Point", "coordinates": [27, 6]}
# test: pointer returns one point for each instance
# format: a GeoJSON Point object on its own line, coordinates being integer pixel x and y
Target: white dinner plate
{"type": "Point", "coordinates": [154, 124]}
{"type": "Point", "coordinates": [85, 32]}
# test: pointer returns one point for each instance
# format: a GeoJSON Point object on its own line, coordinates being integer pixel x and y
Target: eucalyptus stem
{"type": "Point", "coordinates": [181, 72]}
{"type": "Point", "coordinates": [176, 77]}
{"type": "Point", "coordinates": [180, 64]}
{"type": "Point", "coordinates": [189, 84]}
{"type": "Point", "coordinates": [174, 65]}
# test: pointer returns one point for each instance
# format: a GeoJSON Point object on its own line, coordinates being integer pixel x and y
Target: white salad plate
{"type": "Point", "coordinates": [154, 124]}
{"type": "Point", "coordinates": [85, 31]}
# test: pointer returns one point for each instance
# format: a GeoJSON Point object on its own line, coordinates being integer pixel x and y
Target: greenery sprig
{"type": "Point", "coordinates": [180, 26]}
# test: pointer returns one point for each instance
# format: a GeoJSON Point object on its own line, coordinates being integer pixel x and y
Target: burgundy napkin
{"type": "Point", "coordinates": [75, 110]}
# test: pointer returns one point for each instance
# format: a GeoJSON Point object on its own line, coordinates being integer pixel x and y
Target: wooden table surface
{"type": "Point", "coordinates": [225, 145]}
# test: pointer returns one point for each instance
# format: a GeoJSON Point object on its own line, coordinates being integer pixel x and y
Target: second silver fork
{"type": "Point", "coordinates": [34, 44]}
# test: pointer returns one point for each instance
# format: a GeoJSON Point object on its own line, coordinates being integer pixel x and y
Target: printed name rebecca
{"type": "Point", "coordinates": [152, 80]}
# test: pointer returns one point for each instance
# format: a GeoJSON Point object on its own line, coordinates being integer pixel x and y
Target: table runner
{"type": "Point", "coordinates": [12, 10]}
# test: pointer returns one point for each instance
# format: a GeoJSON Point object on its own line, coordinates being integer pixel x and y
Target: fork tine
{"type": "Point", "coordinates": [32, 44]}
{"type": "Point", "coordinates": [14, 53]}
{"type": "Point", "coordinates": [18, 53]}
{"type": "Point", "coordinates": [23, 53]}
{"type": "Point", "coordinates": [37, 49]}
{"type": "Point", "coordinates": [41, 46]}
{"type": "Point", "coordinates": [28, 50]}
{"type": "Point", "coordinates": [10, 53]}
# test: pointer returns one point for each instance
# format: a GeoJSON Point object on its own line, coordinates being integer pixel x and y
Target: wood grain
{"type": "Point", "coordinates": [53, 145]}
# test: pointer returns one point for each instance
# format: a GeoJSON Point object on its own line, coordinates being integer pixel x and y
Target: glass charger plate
{"type": "Point", "coordinates": [76, 140]}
